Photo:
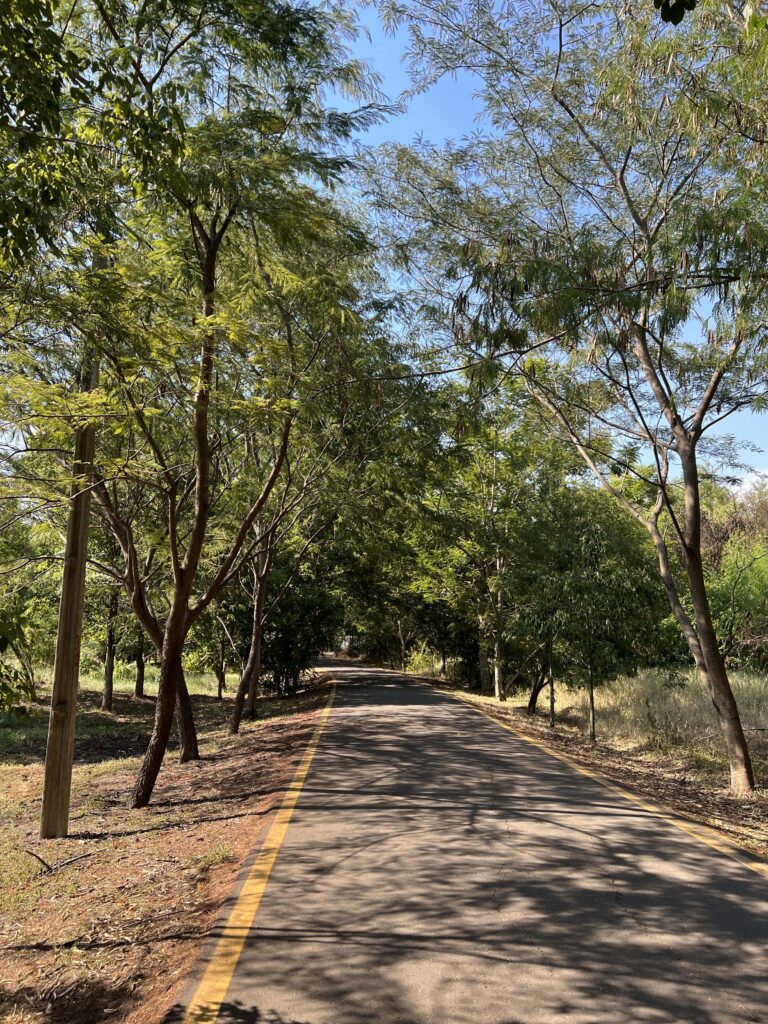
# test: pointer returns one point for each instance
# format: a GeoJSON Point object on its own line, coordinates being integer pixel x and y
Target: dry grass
{"type": "Point", "coordinates": [653, 711]}
{"type": "Point", "coordinates": [673, 713]}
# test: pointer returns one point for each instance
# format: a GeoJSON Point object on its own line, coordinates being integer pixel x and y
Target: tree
{"type": "Point", "coordinates": [223, 148]}
{"type": "Point", "coordinates": [642, 297]}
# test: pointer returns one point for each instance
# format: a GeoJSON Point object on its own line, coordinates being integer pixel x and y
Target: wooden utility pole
{"type": "Point", "coordinates": [54, 821]}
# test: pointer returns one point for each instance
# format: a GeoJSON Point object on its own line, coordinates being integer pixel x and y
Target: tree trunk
{"type": "Point", "coordinates": [443, 663]}
{"type": "Point", "coordinates": [171, 672]}
{"type": "Point", "coordinates": [593, 735]}
{"type": "Point", "coordinates": [401, 637]}
{"type": "Point", "coordinates": [714, 673]}
{"type": "Point", "coordinates": [536, 689]}
{"type": "Point", "coordinates": [551, 678]}
{"type": "Point", "coordinates": [188, 748]}
{"type": "Point", "coordinates": [591, 683]}
{"type": "Point", "coordinates": [254, 677]}
{"type": "Point", "coordinates": [485, 675]}
{"type": "Point", "coordinates": [715, 678]}
{"type": "Point", "coordinates": [109, 660]}
{"type": "Point", "coordinates": [221, 678]}
{"type": "Point", "coordinates": [249, 679]}
{"type": "Point", "coordinates": [551, 701]}
{"type": "Point", "coordinates": [239, 703]}
{"type": "Point", "coordinates": [498, 682]}
{"type": "Point", "coordinates": [673, 597]}
{"type": "Point", "coordinates": [138, 689]}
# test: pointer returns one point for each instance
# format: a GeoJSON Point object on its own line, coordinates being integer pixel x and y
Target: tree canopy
{"type": "Point", "coordinates": [465, 402]}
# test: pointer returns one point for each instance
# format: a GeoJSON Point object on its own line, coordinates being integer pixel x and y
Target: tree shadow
{"type": "Point", "coordinates": [437, 869]}
{"type": "Point", "coordinates": [83, 1002]}
{"type": "Point", "coordinates": [233, 1012]}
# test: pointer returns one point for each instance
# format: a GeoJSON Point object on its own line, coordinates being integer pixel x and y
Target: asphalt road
{"type": "Point", "coordinates": [438, 870]}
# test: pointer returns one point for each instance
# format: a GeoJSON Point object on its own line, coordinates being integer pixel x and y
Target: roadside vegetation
{"type": "Point", "coordinates": [268, 390]}
{"type": "Point", "coordinates": [664, 717]}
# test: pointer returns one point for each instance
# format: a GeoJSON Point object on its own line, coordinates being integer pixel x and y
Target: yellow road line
{"type": "Point", "coordinates": [721, 845]}
{"type": "Point", "coordinates": [206, 1003]}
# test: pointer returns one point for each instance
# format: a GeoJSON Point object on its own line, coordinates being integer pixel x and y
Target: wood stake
{"type": "Point", "coordinates": [54, 821]}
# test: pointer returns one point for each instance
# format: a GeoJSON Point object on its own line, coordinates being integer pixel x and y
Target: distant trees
{"type": "Point", "coordinates": [487, 565]}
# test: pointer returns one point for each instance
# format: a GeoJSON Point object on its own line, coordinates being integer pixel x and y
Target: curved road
{"type": "Point", "coordinates": [438, 870]}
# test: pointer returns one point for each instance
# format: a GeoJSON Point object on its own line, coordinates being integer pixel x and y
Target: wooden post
{"type": "Point", "coordinates": [54, 821]}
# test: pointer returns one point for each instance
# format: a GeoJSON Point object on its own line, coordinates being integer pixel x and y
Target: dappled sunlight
{"type": "Point", "coordinates": [437, 869]}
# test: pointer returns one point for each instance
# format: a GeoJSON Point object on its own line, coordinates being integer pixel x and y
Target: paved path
{"type": "Point", "coordinates": [438, 870]}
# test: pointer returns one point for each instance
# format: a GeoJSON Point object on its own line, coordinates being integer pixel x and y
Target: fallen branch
{"type": "Point", "coordinates": [45, 863]}
{"type": "Point", "coordinates": [50, 868]}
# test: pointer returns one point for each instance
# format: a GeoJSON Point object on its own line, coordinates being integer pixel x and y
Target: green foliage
{"type": "Point", "coordinates": [43, 73]}
{"type": "Point", "coordinates": [308, 622]}
{"type": "Point", "coordinates": [16, 683]}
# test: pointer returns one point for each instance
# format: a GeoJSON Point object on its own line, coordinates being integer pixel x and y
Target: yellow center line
{"type": "Point", "coordinates": [725, 846]}
{"type": "Point", "coordinates": [206, 1003]}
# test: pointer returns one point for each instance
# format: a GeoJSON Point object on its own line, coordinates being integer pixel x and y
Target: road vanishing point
{"type": "Point", "coordinates": [430, 867]}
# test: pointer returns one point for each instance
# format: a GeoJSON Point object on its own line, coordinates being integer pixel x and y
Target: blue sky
{"type": "Point", "coordinates": [448, 111]}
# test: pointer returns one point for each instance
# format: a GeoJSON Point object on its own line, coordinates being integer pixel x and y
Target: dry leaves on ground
{"type": "Point", "coordinates": [112, 929]}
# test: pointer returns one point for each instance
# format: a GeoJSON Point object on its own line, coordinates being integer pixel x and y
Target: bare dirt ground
{"type": "Point", "coordinates": [110, 932]}
{"type": "Point", "coordinates": [665, 779]}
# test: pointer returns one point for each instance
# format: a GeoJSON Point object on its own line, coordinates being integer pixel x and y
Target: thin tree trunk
{"type": "Point", "coordinates": [188, 747]}
{"type": "Point", "coordinates": [715, 675]}
{"type": "Point", "coordinates": [485, 675]}
{"type": "Point", "coordinates": [498, 682]}
{"type": "Point", "coordinates": [249, 678]}
{"type": "Point", "coordinates": [171, 672]}
{"type": "Point", "coordinates": [551, 701]}
{"type": "Point", "coordinates": [138, 689]}
{"type": "Point", "coordinates": [551, 676]}
{"type": "Point", "coordinates": [107, 692]}
{"type": "Point", "coordinates": [591, 683]}
{"type": "Point", "coordinates": [592, 732]}
{"type": "Point", "coordinates": [673, 597]}
{"type": "Point", "coordinates": [254, 677]}
{"type": "Point", "coordinates": [221, 678]}
{"type": "Point", "coordinates": [239, 703]}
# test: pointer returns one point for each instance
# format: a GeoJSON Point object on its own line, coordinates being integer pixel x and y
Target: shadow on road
{"type": "Point", "coordinates": [439, 870]}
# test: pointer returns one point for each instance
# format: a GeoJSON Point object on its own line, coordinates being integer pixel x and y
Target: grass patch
{"type": "Point", "coordinates": [673, 714]}
{"type": "Point", "coordinates": [107, 736]}
{"type": "Point", "coordinates": [219, 855]}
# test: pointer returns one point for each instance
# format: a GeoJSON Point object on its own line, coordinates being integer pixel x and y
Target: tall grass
{"type": "Point", "coordinates": [92, 679]}
{"type": "Point", "coordinates": [673, 713]}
